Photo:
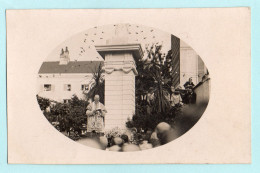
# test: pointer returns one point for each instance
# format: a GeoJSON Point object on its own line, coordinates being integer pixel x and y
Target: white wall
{"type": "Point", "coordinates": [188, 64]}
{"type": "Point", "coordinates": [58, 81]}
{"type": "Point", "coordinates": [191, 65]}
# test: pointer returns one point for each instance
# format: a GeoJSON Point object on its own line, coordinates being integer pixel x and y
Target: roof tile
{"type": "Point", "coordinates": [71, 67]}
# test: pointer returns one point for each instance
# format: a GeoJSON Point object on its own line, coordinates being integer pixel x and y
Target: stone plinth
{"type": "Point", "coordinates": [120, 72]}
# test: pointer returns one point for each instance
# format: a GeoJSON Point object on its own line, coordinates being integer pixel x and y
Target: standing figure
{"type": "Point", "coordinates": [96, 116]}
{"type": "Point", "coordinates": [190, 95]}
{"type": "Point", "coordinates": [189, 84]}
{"type": "Point", "coordinates": [175, 97]}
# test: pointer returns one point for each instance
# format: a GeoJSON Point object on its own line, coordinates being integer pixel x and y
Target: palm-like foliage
{"type": "Point", "coordinates": [154, 73]}
{"type": "Point", "coordinates": [99, 84]}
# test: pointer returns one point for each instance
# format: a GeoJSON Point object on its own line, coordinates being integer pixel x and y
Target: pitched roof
{"type": "Point", "coordinates": [71, 67]}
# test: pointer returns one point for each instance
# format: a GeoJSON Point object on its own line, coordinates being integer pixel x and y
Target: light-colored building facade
{"type": "Point", "coordinates": [60, 80]}
{"type": "Point", "coordinates": [186, 63]}
{"type": "Point", "coordinates": [191, 65]}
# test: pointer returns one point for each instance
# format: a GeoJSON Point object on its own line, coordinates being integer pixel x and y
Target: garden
{"type": "Point", "coordinates": [154, 112]}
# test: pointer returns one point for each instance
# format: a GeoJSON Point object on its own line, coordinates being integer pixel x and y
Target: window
{"type": "Point", "coordinates": [47, 87]}
{"type": "Point", "coordinates": [84, 87]}
{"type": "Point", "coordinates": [67, 87]}
{"type": "Point", "coordinates": [65, 100]}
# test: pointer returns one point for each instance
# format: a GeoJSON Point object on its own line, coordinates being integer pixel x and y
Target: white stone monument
{"type": "Point", "coordinates": [120, 72]}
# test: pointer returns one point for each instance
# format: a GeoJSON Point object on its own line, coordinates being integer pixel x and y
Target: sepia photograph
{"type": "Point", "coordinates": [123, 87]}
{"type": "Point", "coordinates": [128, 86]}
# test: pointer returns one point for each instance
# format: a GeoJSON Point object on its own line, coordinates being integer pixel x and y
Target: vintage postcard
{"type": "Point", "coordinates": [129, 86]}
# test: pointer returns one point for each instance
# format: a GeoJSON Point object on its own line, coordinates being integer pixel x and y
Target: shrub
{"type": "Point", "coordinates": [71, 114]}
{"type": "Point", "coordinates": [43, 102]}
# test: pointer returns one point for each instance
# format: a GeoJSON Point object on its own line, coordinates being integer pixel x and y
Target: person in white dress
{"type": "Point", "coordinates": [96, 116]}
{"type": "Point", "coordinates": [175, 97]}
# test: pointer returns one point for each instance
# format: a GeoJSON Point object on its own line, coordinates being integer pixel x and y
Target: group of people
{"type": "Point", "coordinates": [96, 111]}
{"type": "Point", "coordinates": [174, 96]}
{"type": "Point", "coordinates": [162, 134]}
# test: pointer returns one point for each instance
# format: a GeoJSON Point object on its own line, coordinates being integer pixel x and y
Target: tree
{"type": "Point", "coordinates": [99, 84]}
{"type": "Point", "coordinates": [43, 102]}
{"type": "Point", "coordinates": [154, 73]}
{"type": "Point", "coordinates": [77, 113]}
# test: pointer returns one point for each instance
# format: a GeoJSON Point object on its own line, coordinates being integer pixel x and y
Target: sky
{"type": "Point", "coordinates": [82, 45]}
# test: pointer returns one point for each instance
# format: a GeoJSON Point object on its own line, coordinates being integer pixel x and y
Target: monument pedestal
{"type": "Point", "coordinates": [120, 72]}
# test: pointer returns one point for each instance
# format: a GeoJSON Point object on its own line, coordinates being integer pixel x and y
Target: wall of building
{"type": "Point", "coordinates": [191, 65]}
{"type": "Point", "coordinates": [202, 91]}
{"type": "Point", "coordinates": [188, 64]}
{"type": "Point", "coordinates": [58, 92]}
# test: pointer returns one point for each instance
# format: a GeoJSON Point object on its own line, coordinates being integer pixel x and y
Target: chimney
{"type": "Point", "coordinates": [64, 56]}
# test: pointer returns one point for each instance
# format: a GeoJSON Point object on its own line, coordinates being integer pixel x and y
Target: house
{"type": "Point", "coordinates": [186, 63]}
{"type": "Point", "coordinates": [60, 80]}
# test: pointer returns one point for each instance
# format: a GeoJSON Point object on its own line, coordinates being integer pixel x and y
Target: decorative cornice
{"type": "Point", "coordinates": [136, 49]}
